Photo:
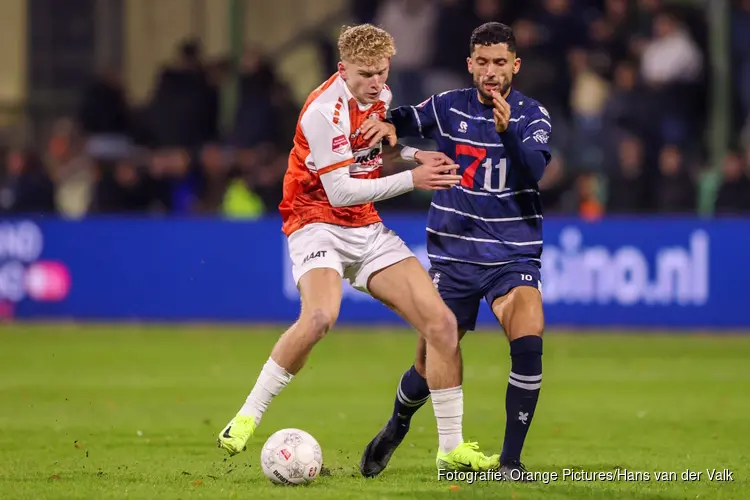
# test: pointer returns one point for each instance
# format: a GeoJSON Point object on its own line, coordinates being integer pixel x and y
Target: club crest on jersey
{"type": "Point", "coordinates": [541, 136]}
{"type": "Point", "coordinates": [339, 144]}
{"type": "Point", "coordinates": [463, 127]}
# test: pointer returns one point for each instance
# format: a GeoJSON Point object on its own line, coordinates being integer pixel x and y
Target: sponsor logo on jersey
{"type": "Point", "coordinates": [369, 157]}
{"type": "Point", "coordinates": [339, 144]}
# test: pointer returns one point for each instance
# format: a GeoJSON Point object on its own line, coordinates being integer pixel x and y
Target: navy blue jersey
{"type": "Point", "coordinates": [495, 215]}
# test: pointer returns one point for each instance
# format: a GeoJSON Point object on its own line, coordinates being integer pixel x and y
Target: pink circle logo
{"type": "Point", "coordinates": [47, 281]}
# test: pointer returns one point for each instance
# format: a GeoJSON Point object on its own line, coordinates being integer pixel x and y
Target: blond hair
{"type": "Point", "coordinates": [365, 44]}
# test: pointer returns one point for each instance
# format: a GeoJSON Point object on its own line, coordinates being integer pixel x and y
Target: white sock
{"type": "Point", "coordinates": [271, 381]}
{"type": "Point", "coordinates": [449, 410]}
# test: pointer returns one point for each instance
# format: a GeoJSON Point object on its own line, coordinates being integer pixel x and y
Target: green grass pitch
{"type": "Point", "coordinates": [132, 412]}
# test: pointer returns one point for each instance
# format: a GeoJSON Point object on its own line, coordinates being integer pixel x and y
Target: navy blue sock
{"type": "Point", "coordinates": [412, 393]}
{"type": "Point", "coordinates": [524, 384]}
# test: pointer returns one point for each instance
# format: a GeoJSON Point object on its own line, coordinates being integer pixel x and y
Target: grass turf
{"type": "Point", "coordinates": [132, 412]}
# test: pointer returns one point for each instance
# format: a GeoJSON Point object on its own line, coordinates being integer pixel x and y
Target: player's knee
{"type": "Point", "coordinates": [536, 327]}
{"type": "Point", "coordinates": [319, 321]}
{"type": "Point", "coordinates": [441, 330]}
{"type": "Point", "coordinates": [526, 325]}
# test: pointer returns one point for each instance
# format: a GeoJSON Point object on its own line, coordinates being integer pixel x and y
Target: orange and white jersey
{"type": "Point", "coordinates": [328, 137]}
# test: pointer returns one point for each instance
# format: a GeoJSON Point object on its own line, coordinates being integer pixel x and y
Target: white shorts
{"type": "Point", "coordinates": [356, 253]}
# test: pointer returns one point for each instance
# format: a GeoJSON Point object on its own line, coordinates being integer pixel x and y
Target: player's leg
{"type": "Point", "coordinates": [407, 288]}
{"type": "Point", "coordinates": [413, 391]}
{"type": "Point", "coordinates": [462, 298]}
{"type": "Point", "coordinates": [411, 394]}
{"type": "Point", "coordinates": [517, 304]}
{"type": "Point", "coordinates": [319, 282]}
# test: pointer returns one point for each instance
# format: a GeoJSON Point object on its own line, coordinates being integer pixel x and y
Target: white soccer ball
{"type": "Point", "coordinates": [290, 457]}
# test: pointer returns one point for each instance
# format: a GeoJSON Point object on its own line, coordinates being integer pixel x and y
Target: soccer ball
{"type": "Point", "coordinates": [290, 457]}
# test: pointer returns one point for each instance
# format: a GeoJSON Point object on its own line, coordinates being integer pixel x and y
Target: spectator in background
{"type": "Point", "coordinates": [588, 204]}
{"type": "Point", "coordinates": [671, 68]}
{"type": "Point", "coordinates": [589, 94]}
{"type": "Point", "coordinates": [213, 172]}
{"type": "Point", "coordinates": [538, 77]}
{"type": "Point", "coordinates": [266, 120]}
{"type": "Point", "coordinates": [558, 29]}
{"type": "Point", "coordinates": [456, 21]}
{"type": "Point", "coordinates": [182, 103]}
{"type": "Point", "coordinates": [676, 193]}
{"type": "Point", "coordinates": [592, 62]}
{"type": "Point", "coordinates": [72, 168]}
{"type": "Point", "coordinates": [241, 200]}
{"type": "Point", "coordinates": [256, 118]}
{"type": "Point", "coordinates": [734, 193]}
{"type": "Point", "coordinates": [286, 112]}
{"type": "Point", "coordinates": [172, 189]}
{"type": "Point", "coordinates": [412, 24]}
{"type": "Point", "coordinates": [121, 188]}
{"type": "Point", "coordinates": [25, 188]}
{"type": "Point", "coordinates": [217, 74]}
{"type": "Point", "coordinates": [626, 110]}
{"type": "Point", "coordinates": [609, 34]}
{"type": "Point", "coordinates": [104, 117]}
{"type": "Point", "coordinates": [627, 191]}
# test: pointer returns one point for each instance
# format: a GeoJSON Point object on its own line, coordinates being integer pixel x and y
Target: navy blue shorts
{"type": "Point", "coordinates": [462, 286]}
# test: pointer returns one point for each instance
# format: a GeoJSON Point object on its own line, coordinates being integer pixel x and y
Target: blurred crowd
{"type": "Point", "coordinates": [626, 81]}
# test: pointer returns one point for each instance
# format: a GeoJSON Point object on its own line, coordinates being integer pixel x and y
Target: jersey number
{"type": "Point", "coordinates": [494, 183]}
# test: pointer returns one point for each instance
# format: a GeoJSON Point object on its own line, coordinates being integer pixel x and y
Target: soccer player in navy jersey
{"type": "Point", "coordinates": [484, 236]}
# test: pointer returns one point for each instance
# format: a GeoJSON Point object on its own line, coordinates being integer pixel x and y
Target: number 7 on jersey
{"type": "Point", "coordinates": [493, 182]}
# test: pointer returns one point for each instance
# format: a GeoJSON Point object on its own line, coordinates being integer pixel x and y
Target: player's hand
{"type": "Point", "coordinates": [374, 130]}
{"type": "Point", "coordinates": [432, 156]}
{"type": "Point", "coordinates": [501, 112]}
{"type": "Point", "coordinates": [435, 175]}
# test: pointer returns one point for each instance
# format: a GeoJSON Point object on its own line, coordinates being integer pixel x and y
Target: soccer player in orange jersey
{"type": "Point", "coordinates": [334, 232]}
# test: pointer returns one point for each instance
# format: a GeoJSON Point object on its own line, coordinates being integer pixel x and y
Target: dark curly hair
{"type": "Point", "coordinates": [491, 34]}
